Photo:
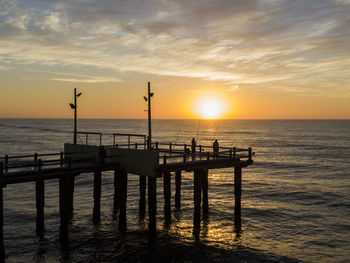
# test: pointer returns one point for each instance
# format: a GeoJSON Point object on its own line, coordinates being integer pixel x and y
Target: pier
{"type": "Point", "coordinates": [151, 163]}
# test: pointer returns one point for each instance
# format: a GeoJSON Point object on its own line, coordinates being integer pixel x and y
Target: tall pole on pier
{"type": "Point", "coordinates": [75, 116]}
{"type": "Point", "coordinates": [148, 99]}
{"type": "Point", "coordinates": [74, 107]}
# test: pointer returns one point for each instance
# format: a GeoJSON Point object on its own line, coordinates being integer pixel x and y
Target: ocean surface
{"type": "Point", "coordinates": [295, 199]}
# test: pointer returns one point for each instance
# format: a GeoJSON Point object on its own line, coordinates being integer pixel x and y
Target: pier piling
{"type": "Point", "coordinates": [116, 203]}
{"type": "Point", "coordinates": [167, 197]}
{"type": "Point", "coordinates": [2, 247]}
{"type": "Point", "coordinates": [152, 205]}
{"type": "Point", "coordinates": [178, 189]}
{"type": "Point", "coordinates": [70, 194]}
{"type": "Point", "coordinates": [40, 201]}
{"type": "Point", "coordinates": [123, 180]}
{"type": "Point", "coordinates": [238, 193]}
{"type": "Point", "coordinates": [63, 183]}
{"type": "Point", "coordinates": [205, 206]}
{"type": "Point", "coordinates": [142, 202]}
{"type": "Point", "coordinates": [97, 196]}
{"type": "Point", "coordinates": [197, 201]}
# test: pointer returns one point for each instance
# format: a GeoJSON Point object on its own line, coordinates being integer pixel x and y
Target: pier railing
{"type": "Point", "coordinates": [169, 153]}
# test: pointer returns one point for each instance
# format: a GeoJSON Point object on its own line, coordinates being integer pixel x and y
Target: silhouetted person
{"type": "Point", "coordinates": [193, 145]}
{"type": "Point", "coordinates": [216, 148]}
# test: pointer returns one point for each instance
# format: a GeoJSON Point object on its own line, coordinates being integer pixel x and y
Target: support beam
{"type": "Point", "coordinates": [197, 202]}
{"type": "Point", "coordinates": [152, 205]}
{"type": "Point", "coordinates": [178, 190]}
{"type": "Point", "coordinates": [97, 197]}
{"type": "Point", "coordinates": [167, 197]}
{"type": "Point", "coordinates": [238, 193]}
{"type": "Point", "coordinates": [205, 207]}
{"type": "Point", "coordinates": [142, 202]}
{"type": "Point", "coordinates": [123, 180]}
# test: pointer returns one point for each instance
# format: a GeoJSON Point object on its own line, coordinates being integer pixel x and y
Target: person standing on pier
{"type": "Point", "coordinates": [193, 145]}
{"type": "Point", "coordinates": [216, 148]}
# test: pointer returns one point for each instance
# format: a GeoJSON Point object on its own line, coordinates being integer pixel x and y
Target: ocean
{"type": "Point", "coordinates": [295, 197]}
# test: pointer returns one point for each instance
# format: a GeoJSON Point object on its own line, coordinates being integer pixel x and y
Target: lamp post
{"type": "Point", "coordinates": [148, 99]}
{"type": "Point", "coordinates": [74, 107]}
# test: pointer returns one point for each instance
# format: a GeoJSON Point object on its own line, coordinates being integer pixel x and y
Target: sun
{"type": "Point", "coordinates": [210, 107]}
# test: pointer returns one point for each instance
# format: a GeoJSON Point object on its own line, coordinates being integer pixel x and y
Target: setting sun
{"type": "Point", "coordinates": [210, 108]}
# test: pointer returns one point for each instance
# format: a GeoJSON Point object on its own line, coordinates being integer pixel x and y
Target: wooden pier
{"type": "Point", "coordinates": [150, 162]}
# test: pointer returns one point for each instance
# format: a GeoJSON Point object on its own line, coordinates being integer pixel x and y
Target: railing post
{"type": "Point", "coordinates": [113, 139]}
{"type": "Point", "coordinates": [234, 152]}
{"type": "Point", "coordinates": [164, 159]}
{"type": "Point", "coordinates": [230, 154]}
{"type": "Point", "coordinates": [128, 141]}
{"type": "Point", "coordinates": [185, 148]}
{"type": "Point", "coordinates": [200, 148]}
{"type": "Point", "coordinates": [250, 153]}
{"type": "Point", "coordinates": [86, 139]}
{"type": "Point", "coordinates": [184, 158]}
{"type": "Point", "coordinates": [208, 156]}
{"type": "Point", "coordinates": [170, 147]}
{"type": "Point", "coordinates": [100, 139]}
{"type": "Point", "coordinates": [156, 145]}
{"type": "Point", "coordinates": [135, 145]}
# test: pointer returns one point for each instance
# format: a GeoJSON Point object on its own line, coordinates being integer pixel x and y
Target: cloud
{"type": "Point", "coordinates": [296, 46]}
{"type": "Point", "coordinates": [88, 80]}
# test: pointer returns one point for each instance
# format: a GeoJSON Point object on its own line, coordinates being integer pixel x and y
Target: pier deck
{"type": "Point", "coordinates": [161, 160]}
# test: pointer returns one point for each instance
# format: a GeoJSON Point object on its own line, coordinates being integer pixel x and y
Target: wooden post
{"type": "Point", "coordinates": [238, 193]}
{"type": "Point", "coordinates": [2, 247]}
{"type": "Point", "coordinates": [123, 196]}
{"type": "Point", "coordinates": [178, 189]}
{"type": "Point", "coordinates": [197, 202]}
{"type": "Point", "coordinates": [40, 201]}
{"type": "Point", "coordinates": [167, 197]}
{"type": "Point", "coordinates": [170, 147]}
{"type": "Point", "coordinates": [97, 196]}
{"type": "Point", "coordinates": [152, 205]}
{"type": "Point", "coordinates": [205, 207]}
{"type": "Point", "coordinates": [142, 203]}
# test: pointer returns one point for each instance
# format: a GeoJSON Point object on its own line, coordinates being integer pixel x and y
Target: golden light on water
{"type": "Point", "coordinates": [210, 107]}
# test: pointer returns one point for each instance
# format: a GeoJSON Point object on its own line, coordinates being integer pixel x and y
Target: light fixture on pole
{"type": "Point", "coordinates": [148, 99]}
{"type": "Point", "coordinates": [74, 107]}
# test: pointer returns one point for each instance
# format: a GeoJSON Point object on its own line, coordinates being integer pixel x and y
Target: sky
{"type": "Point", "coordinates": [262, 59]}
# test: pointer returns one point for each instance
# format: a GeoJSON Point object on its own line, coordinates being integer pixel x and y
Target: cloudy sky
{"type": "Point", "coordinates": [263, 58]}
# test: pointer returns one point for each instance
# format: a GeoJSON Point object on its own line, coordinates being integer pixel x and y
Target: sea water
{"type": "Point", "coordinates": [295, 197]}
